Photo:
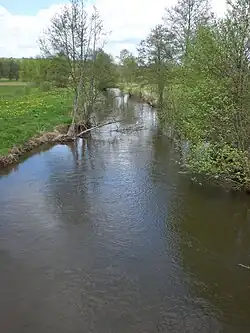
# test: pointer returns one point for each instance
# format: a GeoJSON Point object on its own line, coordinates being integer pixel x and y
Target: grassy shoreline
{"type": "Point", "coordinates": [146, 93]}
{"type": "Point", "coordinates": [31, 116]}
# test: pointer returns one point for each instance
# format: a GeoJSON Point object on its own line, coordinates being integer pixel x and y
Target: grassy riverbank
{"type": "Point", "coordinates": [25, 114]}
{"type": "Point", "coordinates": [221, 163]}
{"type": "Point", "coordinates": [146, 92]}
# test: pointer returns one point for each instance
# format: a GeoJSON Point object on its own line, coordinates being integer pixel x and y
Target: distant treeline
{"type": "Point", "coordinates": [56, 70]}
{"type": "Point", "coordinates": [35, 70]}
{"type": "Point", "coordinates": [9, 69]}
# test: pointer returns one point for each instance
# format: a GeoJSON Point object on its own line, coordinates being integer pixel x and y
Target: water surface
{"type": "Point", "coordinates": [108, 236]}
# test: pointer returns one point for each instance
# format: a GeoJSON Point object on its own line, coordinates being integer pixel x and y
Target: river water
{"type": "Point", "coordinates": [108, 236]}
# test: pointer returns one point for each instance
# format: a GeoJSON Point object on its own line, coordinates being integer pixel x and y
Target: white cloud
{"type": "Point", "coordinates": [130, 21]}
{"type": "Point", "coordinates": [19, 33]}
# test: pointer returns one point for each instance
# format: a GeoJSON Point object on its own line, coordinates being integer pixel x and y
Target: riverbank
{"type": "Point", "coordinates": [31, 120]}
{"type": "Point", "coordinates": [146, 93]}
{"type": "Point", "coordinates": [222, 165]}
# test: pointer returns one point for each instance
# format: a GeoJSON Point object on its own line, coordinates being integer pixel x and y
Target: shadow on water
{"type": "Point", "coordinates": [107, 236]}
{"type": "Point", "coordinates": [214, 232]}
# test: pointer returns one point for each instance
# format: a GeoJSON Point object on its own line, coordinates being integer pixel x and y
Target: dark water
{"type": "Point", "coordinates": [109, 237]}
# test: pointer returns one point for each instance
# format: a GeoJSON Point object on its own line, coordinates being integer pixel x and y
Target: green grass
{"type": "Point", "coordinates": [22, 118]}
{"type": "Point", "coordinates": [15, 89]}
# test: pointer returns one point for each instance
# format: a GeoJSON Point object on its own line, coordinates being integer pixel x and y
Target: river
{"type": "Point", "coordinates": [108, 236]}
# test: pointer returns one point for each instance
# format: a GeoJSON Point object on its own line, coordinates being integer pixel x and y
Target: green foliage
{"type": "Point", "coordinates": [128, 69]}
{"type": "Point", "coordinates": [205, 84]}
{"type": "Point", "coordinates": [183, 19]}
{"type": "Point", "coordinates": [39, 70]}
{"type": "Point", "coordinates": [213, 100]}
{"type": "Point", "coordinates": [155, 59]}
{"type": "Point", "coordinates": [220, 161]}
{"type": "Point", "coordinates": [104, 68]}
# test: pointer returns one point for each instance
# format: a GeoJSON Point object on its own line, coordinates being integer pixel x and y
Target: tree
{"type": "Point", "coordinates": [128, 66]}
{"type": "Point", "coordinates": [105, 70]}
{"type": "Point", "coordinates": [183, 20]}
{"type": "Point", "coordinates": [210, 95]}
{"type": "Point", "coordinates": [9, 68]}
{"type": "Point", "coordinates": [155, 55]}
{"type": "Point", "coordinates": [235, 42]}
{"type": "Point", "coordinates": [77, 34]}
{"type": "Point", "coordinates": [58, 71]}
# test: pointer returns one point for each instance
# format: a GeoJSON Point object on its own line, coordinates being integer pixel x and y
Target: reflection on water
{"type": "Point", "coordinates": [108, 236]}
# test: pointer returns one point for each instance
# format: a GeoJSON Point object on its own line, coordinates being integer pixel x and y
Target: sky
{"type": "Point", "coordinates": [22, 22]}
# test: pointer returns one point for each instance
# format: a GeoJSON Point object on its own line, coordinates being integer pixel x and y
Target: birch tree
{"type": "Point", "coordinates": [77, 33]}
{"type": "Point", "coordinates": [183, 19]}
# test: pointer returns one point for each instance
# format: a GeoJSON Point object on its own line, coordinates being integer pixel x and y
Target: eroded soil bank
{"type": "Point", "coordinates": [58, 136]}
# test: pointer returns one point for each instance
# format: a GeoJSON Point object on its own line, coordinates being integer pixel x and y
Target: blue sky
{"type": "Point", "coordinates": [27, 7]}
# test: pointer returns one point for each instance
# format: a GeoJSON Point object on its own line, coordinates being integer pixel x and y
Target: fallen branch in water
{"type": "Point", "coordinates": [97, 126]}
{"type": "Point", "coordinates": [244, 266]}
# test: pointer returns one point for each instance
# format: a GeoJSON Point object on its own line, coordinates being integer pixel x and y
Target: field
{"type": "Point", "coordinates": [15, 89]}
{"type": "Point", "coordinates": [25, 113]}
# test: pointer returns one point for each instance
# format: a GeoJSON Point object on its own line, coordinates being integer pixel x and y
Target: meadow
{"type": "Point", "coordinates": [26, 112]}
